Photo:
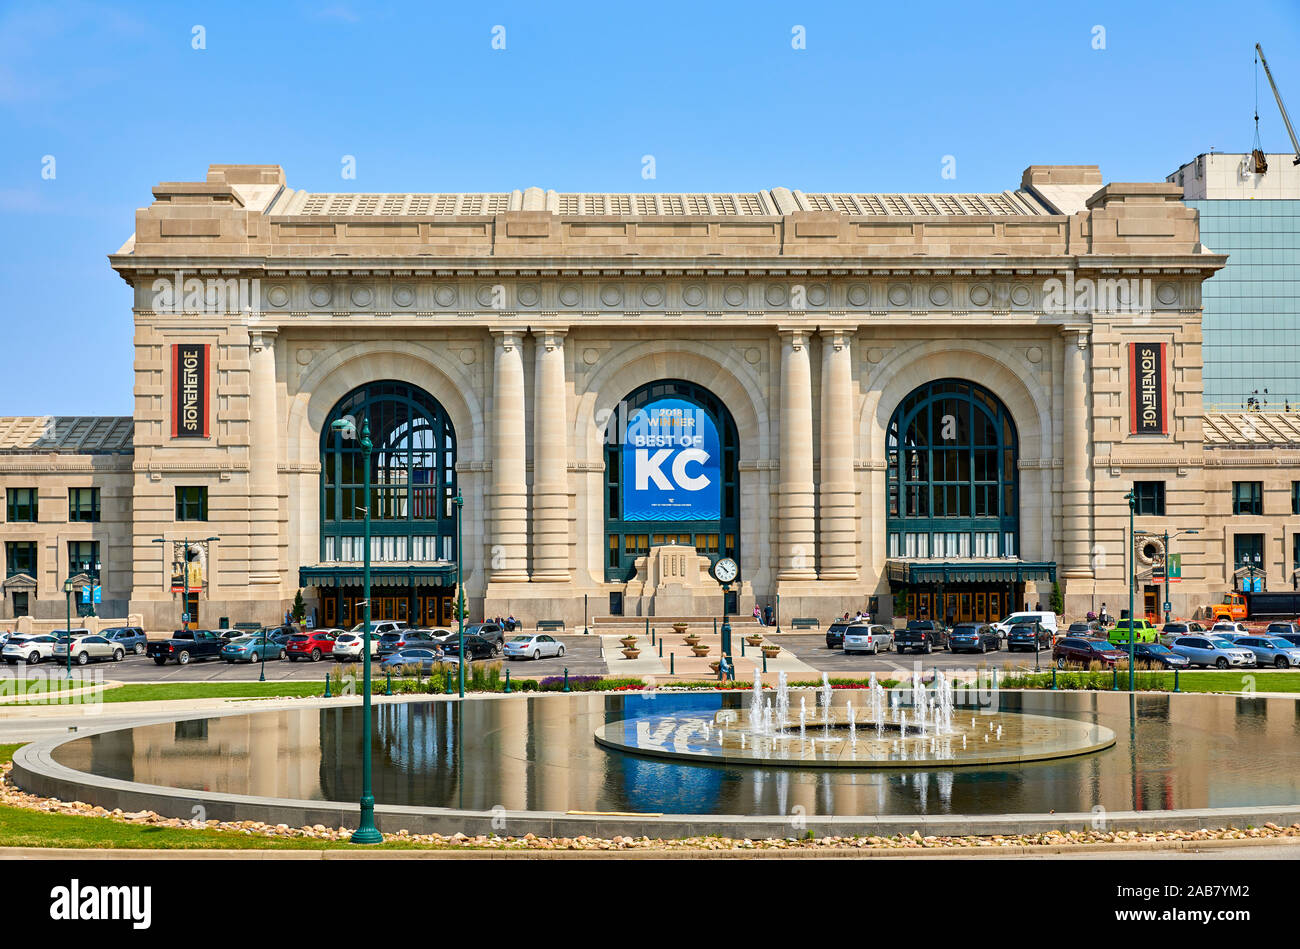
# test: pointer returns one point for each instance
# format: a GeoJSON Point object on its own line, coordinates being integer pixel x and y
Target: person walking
{"type": "Point", "coordinates": [1102, 617]}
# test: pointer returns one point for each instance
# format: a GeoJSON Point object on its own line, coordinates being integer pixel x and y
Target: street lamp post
{"type": "Point", "coordinates": [366, 832]}
{"type": "Point", "coordinates": [460, 599]}
{"type": "Point", "coordinates": [68, 587]}
{"type": "Point", "coordinates": [1132, 501]}
{"type": "Point", "coordinates": [1168, 538]}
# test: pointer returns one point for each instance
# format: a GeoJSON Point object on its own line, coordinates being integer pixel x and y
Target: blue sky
{"type": "Point", "coordinates": [715, 92]}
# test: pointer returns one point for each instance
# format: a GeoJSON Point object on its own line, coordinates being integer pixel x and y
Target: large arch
{"type": "Point", "coordinates": [952, 477]}
{"type": "Point", "coordinates": [702, 418]}
{"type": "Point", "coordinates": [721, 369]}
{"type": "Point", "coordinates": [1007, 375]}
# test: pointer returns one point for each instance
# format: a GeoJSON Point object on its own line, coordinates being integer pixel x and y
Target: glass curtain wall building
{"type": "Point", "coordinates": [1251, 326]}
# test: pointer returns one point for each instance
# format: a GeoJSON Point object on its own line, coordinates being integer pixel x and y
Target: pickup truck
{"type": "Point", "coordinates": [923, 635]}
{"type": "Point", "coordinates": [185, 646]}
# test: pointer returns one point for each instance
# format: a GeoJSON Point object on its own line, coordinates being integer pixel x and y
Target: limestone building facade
{"type": "Point", "coordinates": [915, 402]}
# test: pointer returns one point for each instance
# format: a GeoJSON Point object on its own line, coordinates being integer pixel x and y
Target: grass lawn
{"type": "Point", "coordinates": [1194, 681]}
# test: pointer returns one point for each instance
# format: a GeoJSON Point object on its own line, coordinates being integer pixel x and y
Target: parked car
{"type": "Point", "coordinates": [314, 645]}
{"type": "Point", "coordinates": [1282, 629]}
{"type": "Point", "coordinates": [30, 649]}
{"type": "Point", "coordinates": [1207, 651]}
{"type": "Point", "coordinates": [388, 643]}
{"type": "Point", "coordinates": [1045, 618]}
{"type": "Point", "coordinates": [1292, 638]}
{"type": "Point", "coordinates": [1033, 636]}
{"type": "Point", "coordinates": [974, 637]}
{"type": "Point", "coordinates": [1171, 631]}
{"type": "Point", "coordinates": [86, 648]}
{"type": "Point", "coordinates": [1271, 650]}
{"type": "Point", "coordinates": [835, 634]}
{"type": "Point", "coordinates": [476, 647]}
{"type": "Point", "coordinates": [533, 646]}
{"type": "Point", "coordinates": [1144, 631]}
{"type": "Point", "coordinates": [1158, 654]}
{"type": "Point", "coordinates": [381, 626]}
{"type": "Point", "coordinates": [253, 648]}
{"type": "Point", "coordinates": [1226, 629]}
{"type": "Point", "coordinates": [417, 637]}
{"type": "Point", "coordinates": [868, 637]}
{"type": "Point", "coordinates": [185, 646]}
{"type": "Point", "coordinates": [1080, 651]}
{"type": "Point", "coordinates": [488, 631]}
{"type": "Point", "coordinates": [425, 657]}
{"type": "Point", "coordinates": [350, 645]}
{"type": "Point", "coordinates": [1089, 629]}
{"type": "Point", "coordinates": [923, 635]}
{"type": "Point", "coordinates": [131, 638]}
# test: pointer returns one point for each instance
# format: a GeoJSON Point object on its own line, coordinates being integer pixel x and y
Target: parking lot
{"type": "Point", "coordinates": [810, 648]}
{"type": "Point", "coordinates": [582, 658]}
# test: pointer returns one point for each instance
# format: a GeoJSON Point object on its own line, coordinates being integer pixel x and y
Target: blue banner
{"type": "Point", "coordinates": [672, 464]}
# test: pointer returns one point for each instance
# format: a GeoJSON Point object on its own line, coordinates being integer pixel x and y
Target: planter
{"type": "Point", "coordinates": [700, 650]}
{"type": "Point", "coordinates": [714, 665]}
{"type": "Point", "coordinates": [755, 640]}
{"type": "Point", "coordinates": [771, 651]}
{"type": "Point", "coordinates": [629, 642]}
{"type": "Point", "coordinates": [692, 640]}
{"type": "Point", "coordinates": [631, 653]}
{"type": "Point", "coordinates": [679, 628]}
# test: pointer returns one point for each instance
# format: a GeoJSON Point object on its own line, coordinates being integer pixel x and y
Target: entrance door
{"type": "Point", "coordinates": [981, 607]}
{"type": "Point", "coordinates": [1151, 603]}
{"type": "Point", "coordinates": [192, 607]}
{"type": "Point", "coordinates": [965, 607]}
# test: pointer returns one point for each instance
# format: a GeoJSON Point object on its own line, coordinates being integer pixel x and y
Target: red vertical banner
{"type": "Point", "coordinates": [191, 387]}
{"type": "Point", "coordinates": [1148, 413]}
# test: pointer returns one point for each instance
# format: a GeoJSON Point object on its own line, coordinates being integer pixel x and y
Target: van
{"type": "Point", "coordinates": [1044, 618]}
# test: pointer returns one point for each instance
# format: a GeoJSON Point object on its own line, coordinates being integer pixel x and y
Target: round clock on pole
{"type": "Point", "coordinates": [725, 570]}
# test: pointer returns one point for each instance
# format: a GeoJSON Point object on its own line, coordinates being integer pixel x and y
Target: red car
{"type": "Point", "coordinates": [1084, 651]}
{"type": "Point", "coordinates": [311, 646]}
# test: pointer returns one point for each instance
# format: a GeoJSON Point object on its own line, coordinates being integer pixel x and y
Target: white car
{"type": "Point", "coordinates": [533, 646]}
{"type": "Point", "coordinates": [870, 639]}
{"type": "Point", "coordinates": [1226, 630]}
{"type": "Point", "coordinates": [348, 645]}
{"type": "Point", "coordinates": [86, 648]}
{"type": "Point", "coordinates": [29, 649]}
{"type": "Point", "coordinates": [1045, 618]}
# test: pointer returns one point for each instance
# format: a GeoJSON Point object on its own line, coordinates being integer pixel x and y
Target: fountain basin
{"type": "Point", "coordinates": [826, 741]}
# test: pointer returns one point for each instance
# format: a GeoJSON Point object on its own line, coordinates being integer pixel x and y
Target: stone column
{"type": "Point", "coordinates": [796, 525]}
{"type": "Point", "coordinates": [1076, 429]}
{"type": "Point", "coordinates": [508, 543]}
{"type": "Point", "coordinates": [550, 460]}
{"type": "Point", "coordinates": [837, 550]}
{"type": "Point", "coordinates": [263, 462]}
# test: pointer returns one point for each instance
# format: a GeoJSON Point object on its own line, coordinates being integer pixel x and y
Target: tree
{"type": "Point", "coordinates": [299, 608]}
{"type": "Point", "coordinates": [900, 602]}
{"type": "Point", "coordinates": [1058, 601]}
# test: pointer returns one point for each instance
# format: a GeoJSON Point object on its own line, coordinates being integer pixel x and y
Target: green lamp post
{"type": "Point", "coordinates": [1168, 538]}
{"type": "Point", "coordinates": [1131, 577]}
{"type": "Point", "coordinates": [460, 597]}
{"type": "Point", "coordinates": [69, 586]}
{"type": "Point", "coordinates": [366, 832]}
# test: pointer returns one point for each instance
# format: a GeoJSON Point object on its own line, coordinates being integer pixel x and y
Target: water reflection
{"type": "Point", "coordinates": [537, 753]}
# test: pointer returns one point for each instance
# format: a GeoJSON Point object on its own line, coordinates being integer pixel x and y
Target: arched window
{"type": "Point", "coordinates": [952, 451]}
{"type": "Point", "coordinates": [412, 477]}
{"type": "Point", "coordinates": [683, 440]}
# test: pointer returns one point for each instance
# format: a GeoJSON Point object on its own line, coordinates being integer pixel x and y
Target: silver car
{"type": "Point", "coordinates": [1205, 651]}
{"type": "Point", "coordinates": [86, 648]}
{"type": "Point", "coordinates": [1271, 650]}
{"type": "Point", "coordinates": [870, 639]}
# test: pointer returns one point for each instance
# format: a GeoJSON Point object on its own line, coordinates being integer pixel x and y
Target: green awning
{"type": "Point", "coordinates": [381, 574]}
{"type": "Point", "coordinates": [913, 572]}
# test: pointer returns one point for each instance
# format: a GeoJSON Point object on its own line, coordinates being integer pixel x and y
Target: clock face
{"type": "Point", "coordinates": [725, 570]}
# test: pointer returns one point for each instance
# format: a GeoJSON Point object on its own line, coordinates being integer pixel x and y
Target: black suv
{"type": "Point", "coordinates": [489, 631]}
{"type": "Point", "coordinates": [923, 635]}
{"type": "Point", "coordinates": [1032, 636]}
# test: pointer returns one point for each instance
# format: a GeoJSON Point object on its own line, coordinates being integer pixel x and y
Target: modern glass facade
{"type": "Point", "coordinates": [1252, 307]}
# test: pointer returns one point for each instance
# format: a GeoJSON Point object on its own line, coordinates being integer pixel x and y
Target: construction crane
{"type": "Point", "coordinates": [1260, 164]}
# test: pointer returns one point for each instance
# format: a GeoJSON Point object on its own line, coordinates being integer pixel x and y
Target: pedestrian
{"type": "Point", "coordinates": [511, 623]}
{"type": "Point", "coordinates": [757, 616]}
{"type": "Point", "coordinates": [767, 615]}
{"type": "Point", "coordinates": [1101, 615]}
